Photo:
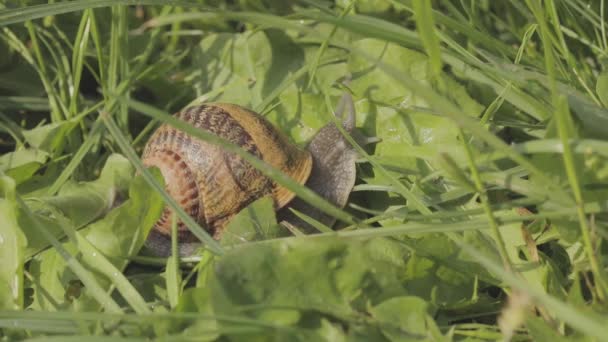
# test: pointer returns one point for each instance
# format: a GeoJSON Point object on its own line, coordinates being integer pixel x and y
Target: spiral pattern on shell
{"type": "Point", "coordinates": [213, 185]}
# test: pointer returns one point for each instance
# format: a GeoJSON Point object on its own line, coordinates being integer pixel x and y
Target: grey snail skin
{"type": "Point", "coordinates": [212, 185]}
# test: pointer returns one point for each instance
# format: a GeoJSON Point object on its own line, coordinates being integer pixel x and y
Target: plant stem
{"type": "Point", "coordinates": [483, 195]}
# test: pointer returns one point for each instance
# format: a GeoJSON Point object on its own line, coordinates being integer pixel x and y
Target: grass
{"type": "Point", "coordinates": [480, 215]}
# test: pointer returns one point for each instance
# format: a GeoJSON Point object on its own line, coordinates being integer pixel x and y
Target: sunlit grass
{"type": "Point", "coordinates": [489, 181]}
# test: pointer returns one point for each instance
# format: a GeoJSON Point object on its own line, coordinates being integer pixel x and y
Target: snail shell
{"type": "Point", "coordinates": [213, 185]}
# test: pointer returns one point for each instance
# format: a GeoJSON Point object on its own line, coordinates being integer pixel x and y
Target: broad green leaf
{"type": "Point", "coordinates": [77, 204]}
{"type": "Point", "coordinates": [440, 272]}
{"type": "Point", "coordinates": [22, 164]}
{"type": "Point", "coordinates": [83, 202]}
{"type": "Point", "coordinates": [24, 172]}
{"type": "Point", "coordinates": [122, 232]}
{"type": "Point", "coordinates": [402, 318]}
{"type": "Point", "coordinates": [108, 244]}
{"type": "Point", "coordinates": [591, 117]}
{"type": "Point", "coordinates": [283, 279]}
{"type": "Point", "coordinates": [105, 248]}
{"type": "Point", "coordinates": [247, 67]}
{"type": "Point", "coordinates": [300, 115]}
{"type": "Point", "coordinates": [399, 116]}
{"type": "Point", "coordinates": [331, 331]}
{"type": "Point", "coordinates": [258, 68]}
{"type": "Point", "coordinates": [48, 137]}
{"type": "Point", "coordinates": [54, 222]}
{"type": "Point", "coordinates": [307, 274]}
{"type": "Point", "coordinates": [255, 222]}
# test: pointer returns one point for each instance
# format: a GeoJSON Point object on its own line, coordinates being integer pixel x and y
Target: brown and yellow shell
{"type": "Point", "coordinates": [213, 185]}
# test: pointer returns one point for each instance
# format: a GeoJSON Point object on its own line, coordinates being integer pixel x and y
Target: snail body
{"type": "Point", "coordinates": [213, 185]}
{"type": "Point", "coordinates": [333, 171]}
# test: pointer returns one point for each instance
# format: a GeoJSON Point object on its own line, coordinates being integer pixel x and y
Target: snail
{"type": "Point", "coordinates": [213, 185]}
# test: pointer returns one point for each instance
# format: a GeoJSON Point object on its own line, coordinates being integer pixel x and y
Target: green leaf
{"type": "Point", "coordinates": [412, 134]}
{"type": "Point", "coordinates": [198, 300]}
{"type": "Point", "coordinates": [402, 318]}
{"type": "Point", "coordinates": [280, 280]}
{"type": "Point", "coordinates": [592, 117]}
{"type": "Point", "coordinates": [54, 222]}
{"type": "Point", "coordinates": [302, 274]}
{"type": "Point", "coordinates": [365, 332]}
{"type": "Point", "coordinates": [83, 202]}
{"type": "Point", "coordinates": [122, 232]}
{"type": "Point", "coordinates": [22, 164]}
{"type": "Point", "coordinates": [105, 248]}
{"type": "Point", "coordinates": [300, 115]}
{"type": "Point", "coordinates": [255, 222]}
{"type": "Point", "coordinates": [440, 273]}
{"type": "Point", "coordinates": [247, 67]}
{"type": "Point", "coordinates": [331, 332]}
{"type": "Point", "coordinates": [397, 113]}
{"type": "Point", "coordinates": [425, 24]}
{"type": "Point", "coordinates": [48, 137]}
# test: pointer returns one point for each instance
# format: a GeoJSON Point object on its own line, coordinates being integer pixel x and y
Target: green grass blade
{"type": "Point", "coordinates": [78, 54]}
{"type": "Point", "coordinates": [68, 170]}
{"type": "Point", "coordinates": [325, 43]}
{"type": "Point", "coordinates": [118, 280]}
{"type": "Point", "coordinates": [500, 242]}
{"type": "Point", "coordinates": [96, 36]}
{"type": "Point", "coordinates": [24, 103]}
{"type": "Point", "coordinates": [564, 126]}
{"type": "Point", "coordinates": [172, 272]}
{"type": "Point", "coordinates": [118, 67]}
{"type": "Point", "coordinates": [425, 24]}
{"type": "Point", "coordinates": [18, 15]}
{"type": "Point", "coordinates": [368, 27]}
